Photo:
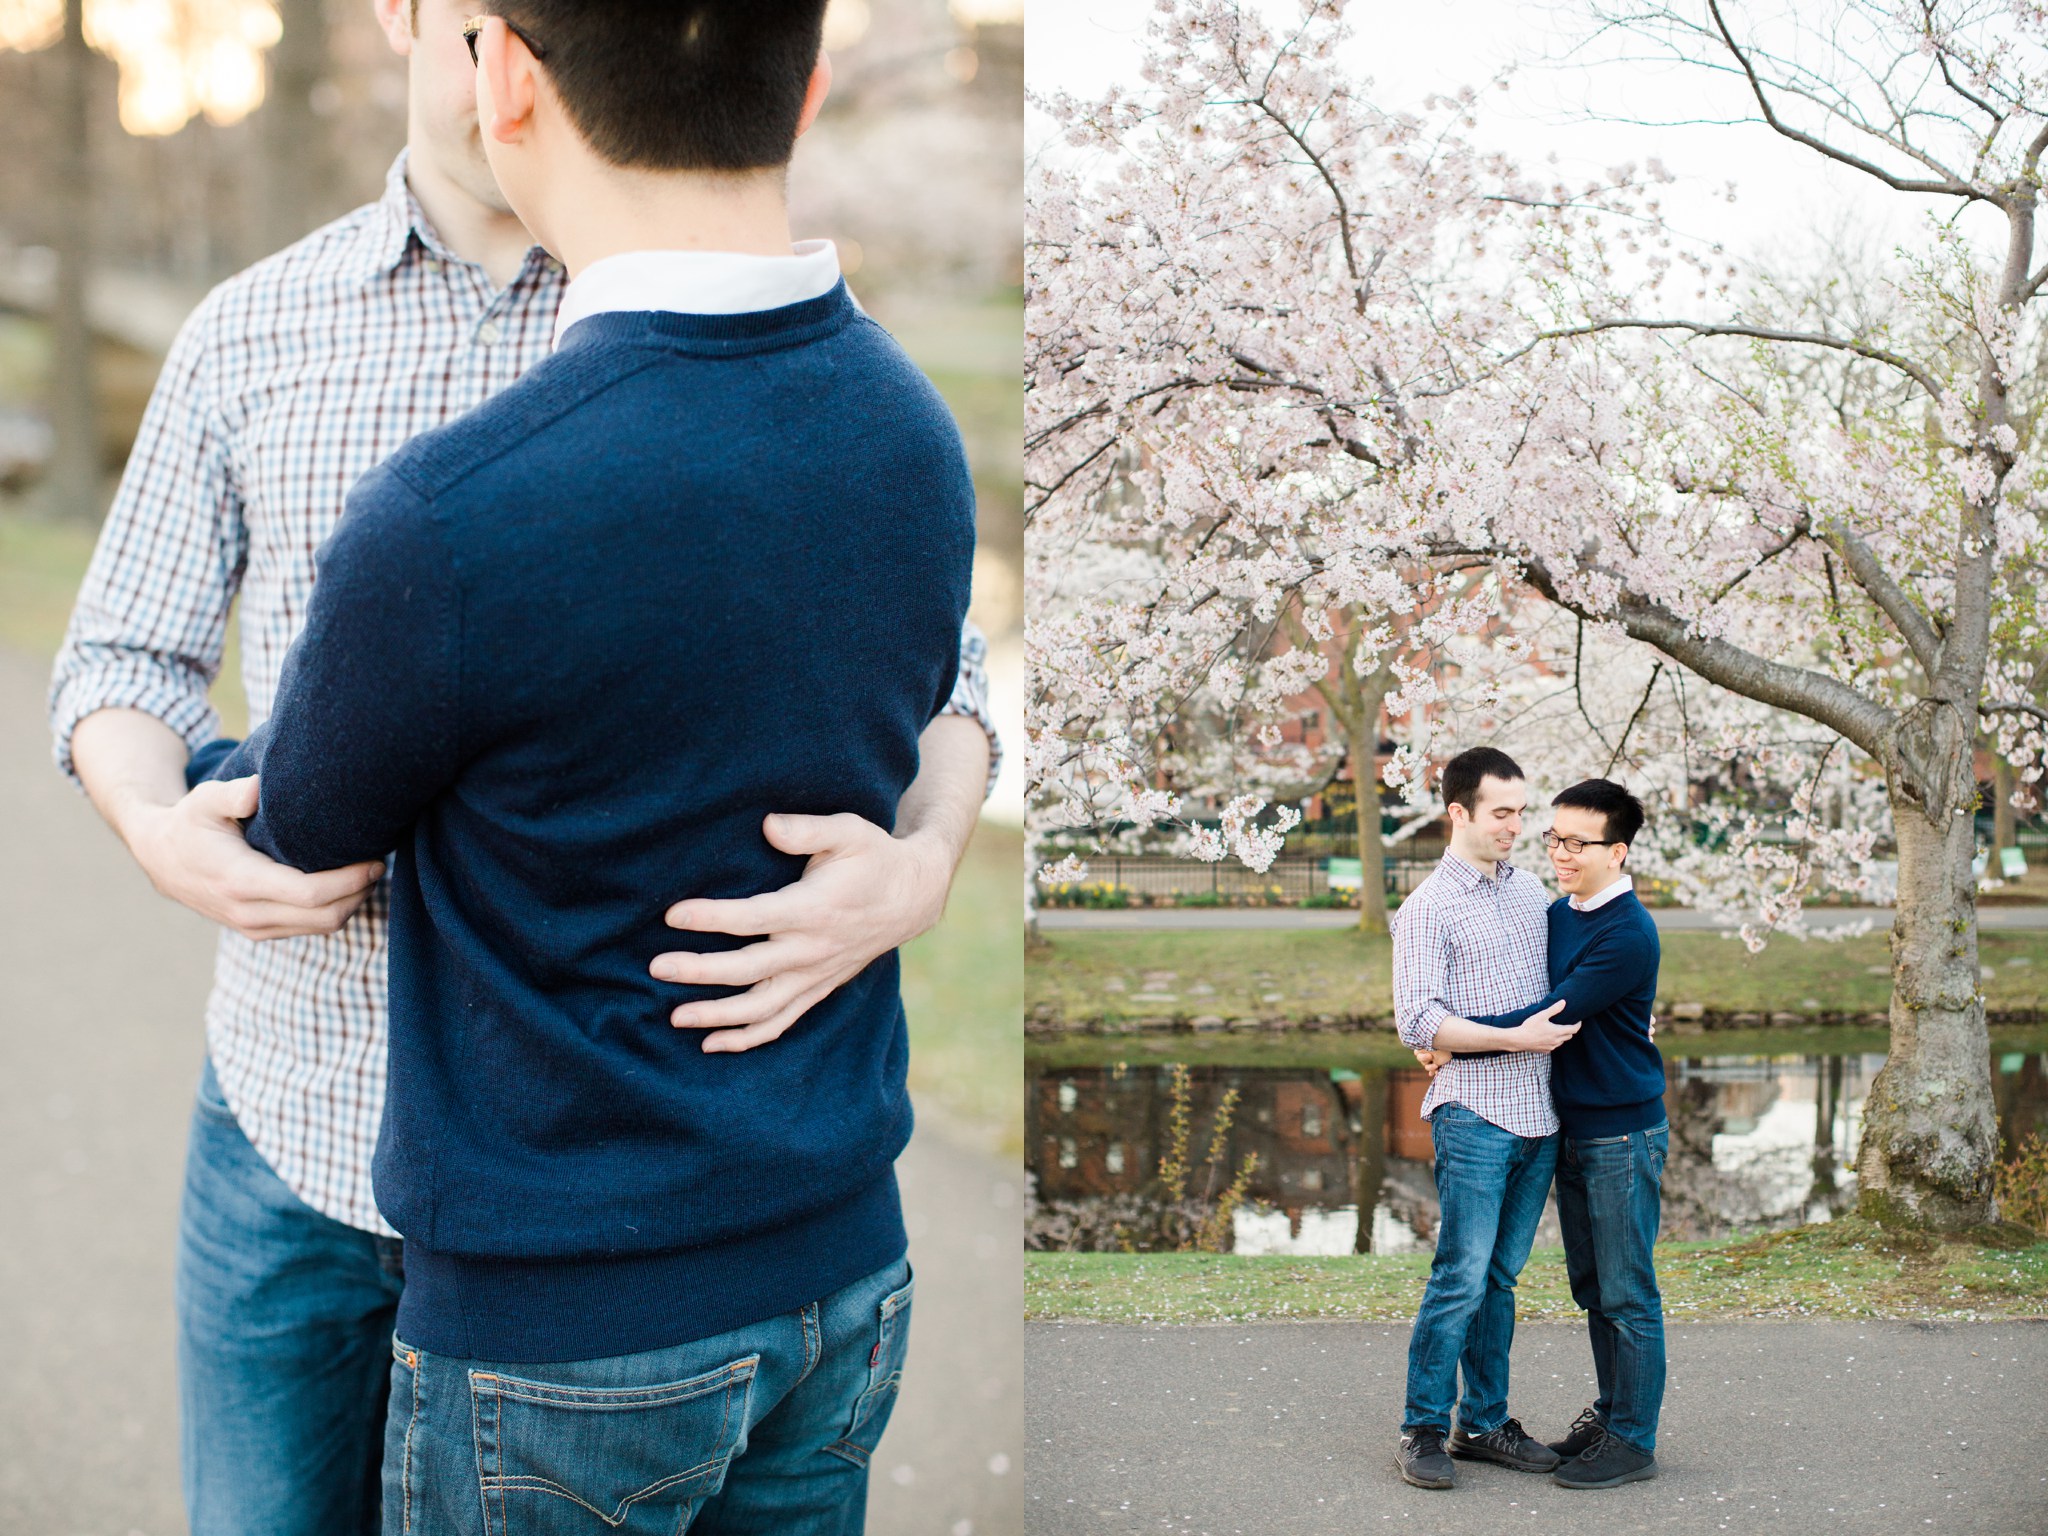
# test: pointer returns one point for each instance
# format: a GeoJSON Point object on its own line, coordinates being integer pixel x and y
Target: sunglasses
{"type": "Point", "coordinates": [473, 28]}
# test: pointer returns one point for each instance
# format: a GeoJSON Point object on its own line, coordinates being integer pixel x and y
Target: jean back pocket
{"type": "Point", "coordinates": [550, 1456]}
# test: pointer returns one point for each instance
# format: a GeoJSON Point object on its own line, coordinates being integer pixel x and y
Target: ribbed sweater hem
{"type": "Point", "coordinates": [518, 1311]}
{"type": "Point", "coordinates": [1586, 1122]}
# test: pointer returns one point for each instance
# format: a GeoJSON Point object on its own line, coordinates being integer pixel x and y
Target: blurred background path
{"type": "Point", "coordinates": [101, 988]}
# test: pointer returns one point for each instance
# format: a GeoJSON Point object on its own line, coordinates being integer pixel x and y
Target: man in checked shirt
{"type": "Point", "coordinates": [287, 384]}
{"type": "Point", "coordinates": [1473, 940]}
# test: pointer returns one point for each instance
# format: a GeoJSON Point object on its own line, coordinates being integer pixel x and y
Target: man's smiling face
{"type": "Point", "coordinates": [1495, 822]}
{"type": "Point", "coordinates": [1595, 865]}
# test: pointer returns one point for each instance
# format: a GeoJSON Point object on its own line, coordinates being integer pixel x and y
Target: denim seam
{"type": "Point", "coordinates": [412, 1361]}
{"type": "Point", "coordinates": [543, 1485]}
{"type": "Point", "coordinates": [813, 1326]}
{"type": "Point", "coordinates": [484, 1479]}
{"type": "Point", "coordinates": [601, 1399]}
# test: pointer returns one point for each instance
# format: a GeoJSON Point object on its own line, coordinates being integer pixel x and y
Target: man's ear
{"type": "Point", "coordinates": [815, 93]}
{"type": "Point", "coordinates": [505, 74]}
{"type": "Point", "coordinates": [394, 20]}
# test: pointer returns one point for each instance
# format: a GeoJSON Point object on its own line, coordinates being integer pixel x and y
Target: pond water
{"type": "Point", "coordinates": [1343, 1157]}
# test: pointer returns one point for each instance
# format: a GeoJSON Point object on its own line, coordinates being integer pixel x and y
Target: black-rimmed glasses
{"type": "Point", "coordinates": [473, 28]}
{"type": "Point", "coordinates": [1577, 845]}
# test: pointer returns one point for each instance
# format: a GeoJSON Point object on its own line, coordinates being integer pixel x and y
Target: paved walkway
{"type": "Point", "coordinates": [1868, 1429]}
{"type": "Point", "coordinates": [1669, 919]}
{"type": "Point", "coordinates": [101, 984]}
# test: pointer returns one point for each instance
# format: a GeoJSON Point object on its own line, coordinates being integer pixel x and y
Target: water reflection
{"type": "Point", "coordinates": [1344, 1156]}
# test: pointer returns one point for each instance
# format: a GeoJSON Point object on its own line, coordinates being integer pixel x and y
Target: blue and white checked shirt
{"type": "Point", "coordinates": [1466, 944]}
{"type": "Point", "coordinates": [287, 384]}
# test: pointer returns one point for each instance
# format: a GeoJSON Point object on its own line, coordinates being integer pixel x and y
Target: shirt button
{"type": "Point", "coordinates": [489, 332]}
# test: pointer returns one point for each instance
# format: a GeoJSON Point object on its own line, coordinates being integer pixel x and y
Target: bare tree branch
{"type": "Point", "coordinates": [1800, 528]}
{"type": "Point", "coordinates": [1893, 599]}
{"type": "Point", "coordinates": [2013, 707]}
{"type": "Point", "coordinates": [1815, 695]}
{"type": "Point", "coordinates": [1906, 366]}
{"type": "Point", "coordinates": [1950, 185]}
{"type": "Point", "coordinates": [1655, 672]}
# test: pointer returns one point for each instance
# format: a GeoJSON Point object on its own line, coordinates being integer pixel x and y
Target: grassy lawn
{"type": "Point", "coordinates": [963, 988]}
{"type": "Point", "coordinates": [41, 565]}
{"type": "Point", "coordinates": [1848, 1268]}
{"type": "Point", "coordinates": [1083, 977]}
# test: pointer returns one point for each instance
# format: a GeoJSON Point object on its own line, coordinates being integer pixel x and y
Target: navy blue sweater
{"type": "Point", "coordinates": [562, 656]}
{"type": "Point", "coordinates": [1608, 1079]}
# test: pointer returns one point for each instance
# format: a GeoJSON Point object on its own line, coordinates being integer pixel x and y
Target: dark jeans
{"type": "Point", "coordinates": [1491, 1185]}
{"type": "Point", "coordinates": [284, 1346]}
{"type": "Point", "coordinates": [1608, 1206]}
{"type": "Point", "coordinates": [765, 1430]}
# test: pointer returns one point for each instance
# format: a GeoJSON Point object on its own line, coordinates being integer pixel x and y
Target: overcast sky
{"type": "Point", "coordinates": [1415, 47]}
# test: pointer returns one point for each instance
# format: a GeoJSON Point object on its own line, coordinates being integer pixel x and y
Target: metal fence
{"type": "Point", "coordinates": [1291, 878]}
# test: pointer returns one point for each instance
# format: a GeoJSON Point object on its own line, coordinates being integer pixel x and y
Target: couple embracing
{"type": "Point", "coordinates": [657, 587]}
{"type": "Point", "coordinates": [1534, 1019]}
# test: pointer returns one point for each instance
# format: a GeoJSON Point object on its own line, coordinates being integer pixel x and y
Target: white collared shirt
{"type": "Point", "coordinates": [1607, 894]}
{"type": "Point", "coordinates": [699, 282]}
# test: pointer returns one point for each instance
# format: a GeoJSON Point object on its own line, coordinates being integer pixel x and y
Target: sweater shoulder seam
{"type": "Point", "coordinates": [437, 462]}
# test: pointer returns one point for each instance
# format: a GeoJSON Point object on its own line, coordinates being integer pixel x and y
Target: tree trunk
{"type": "Point", "coordinates": [73, 400]}
{"type": "Point", "coordinates": [1370, 1171]}
{"type": "Point", "coordinates": [1930, 1133]}
{"type": "Point", "coordinates": [1363, 734]}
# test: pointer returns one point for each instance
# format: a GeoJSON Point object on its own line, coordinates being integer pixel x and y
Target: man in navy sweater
{"type": "Point", "coordinates": [665, 1284]}
{"type": "Point", "coordinates": [1608, 1086]}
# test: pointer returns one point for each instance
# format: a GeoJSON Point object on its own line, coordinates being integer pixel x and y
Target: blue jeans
{"type": "Point", "coordinates": [284, 1329]}
{"type": "Point", "coordinates": [766, 1429]}
{"type": "Point", "coordinates": [1491, 1185]}
{"type": "Point", "coordinates": [1608, 1205]}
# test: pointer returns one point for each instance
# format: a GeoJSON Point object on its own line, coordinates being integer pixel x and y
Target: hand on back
{"type": "Point", "coordinates": [193, 852]}
{"type": "Point", "coordinates": [1541, 1032]}
{"type": "Point", "coordinates": [862, 894]}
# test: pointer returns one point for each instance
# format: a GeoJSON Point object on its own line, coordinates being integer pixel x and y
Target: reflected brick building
{"type": "Point", "coordinates": [1754, 1141]}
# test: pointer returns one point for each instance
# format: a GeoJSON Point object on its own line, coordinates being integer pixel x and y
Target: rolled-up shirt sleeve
{"type": "Point", "coordinates": [1422, 965]}
{"type": "Point", "coordinates": [970, 698]}
{"type": "Point", "coordinates": [150, 622]}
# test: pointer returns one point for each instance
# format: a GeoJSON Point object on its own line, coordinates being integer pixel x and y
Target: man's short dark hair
{"type": "Point", "coordinates": [1462, 774]}
{"type": "Point", "coordinates": [1622, 810]}
{"type": "Point", "coordinates": [678, 85]}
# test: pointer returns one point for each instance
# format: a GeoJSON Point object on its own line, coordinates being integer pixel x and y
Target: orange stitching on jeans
{"type": "Point", "coordinates": [412, 1361]}
{"type": "Point", "coordinates": [498, 1437]}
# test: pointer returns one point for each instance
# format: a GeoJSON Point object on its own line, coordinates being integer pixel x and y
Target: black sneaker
{"type": "Point", "coordinates": [1608, 1463]}
{"type": "Point", "coordinates": [1508, 1446]}
{"type": "Point", "coordinates": [1586, 1428]}
{"type": "Point", "coordinates": [1421, 1460]}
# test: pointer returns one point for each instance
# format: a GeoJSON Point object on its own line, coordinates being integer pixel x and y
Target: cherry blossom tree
{"type": "Point", "coordinates": [1348, 361]}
